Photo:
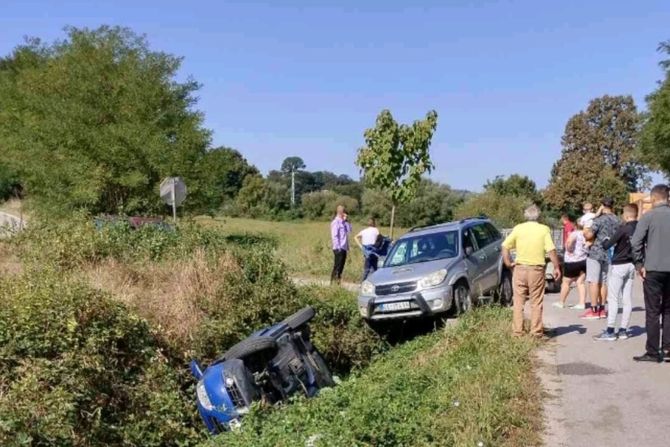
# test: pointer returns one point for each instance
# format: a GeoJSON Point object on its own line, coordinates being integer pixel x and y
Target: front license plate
{"type": "Point", "coordinates": [394, 307]}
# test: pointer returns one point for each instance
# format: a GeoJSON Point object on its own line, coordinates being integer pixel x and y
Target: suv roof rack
{"type": "Point", "coordinates": [444, 224]}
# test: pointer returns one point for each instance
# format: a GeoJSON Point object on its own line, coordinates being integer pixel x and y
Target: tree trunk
{"type": "Point", "coordinates": [392, 221]}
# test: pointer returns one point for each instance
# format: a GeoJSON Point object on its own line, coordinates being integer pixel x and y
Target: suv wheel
{"type": "Point", "coordinates": [462, 299]}
{"type": "Point", "coordinates": [506, 291]}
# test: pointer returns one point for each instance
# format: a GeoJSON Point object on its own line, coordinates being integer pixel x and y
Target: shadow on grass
{"type": "Point", "coordinates": [401, 331]}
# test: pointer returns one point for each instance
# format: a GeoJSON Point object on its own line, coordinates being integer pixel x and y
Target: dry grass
{"type": "Point", "coordinates": [9, 263]}
{"type": "Point", "coordinates": [303, 245]}
{"type": "Point", "coordinates": [169, 294]}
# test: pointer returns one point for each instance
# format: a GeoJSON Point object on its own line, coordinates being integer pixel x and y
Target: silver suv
{"type": "Point", "coordinates": [437, 269]}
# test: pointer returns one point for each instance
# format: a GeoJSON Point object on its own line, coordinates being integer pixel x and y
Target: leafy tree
{"type": "Point", "coordinates": [220, 176]}
{"type": "Point", "coordinates": [504, 210]}
{"type": "Point", "coordinates": [515, 185]}
{"type": "Point", "coordinates": [655, 140]}
{"type": "Point", "coordinates": [259, 197]}
{"type": "Point", "coordinates": [292, 164]}
{"type": "Point", "coordinates": [599, 155]}
{"type": "Point", "coordinates": [395, 156]}
{"type": "Point", "coordinates": [96, 120]}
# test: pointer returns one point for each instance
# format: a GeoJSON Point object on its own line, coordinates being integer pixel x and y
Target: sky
{"type": "Point", "coordinates": [306, 78]}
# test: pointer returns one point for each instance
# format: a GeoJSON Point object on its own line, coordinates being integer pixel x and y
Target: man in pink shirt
{"type": "Point", "coordinates": [339, 233]}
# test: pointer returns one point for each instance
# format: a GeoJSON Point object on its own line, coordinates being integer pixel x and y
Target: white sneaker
{"type": "Point", "coordinates": [578, 307]}
{"type": "Point", "coordinates": [559, 305]}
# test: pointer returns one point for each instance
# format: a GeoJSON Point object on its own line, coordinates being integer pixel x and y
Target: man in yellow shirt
{"type": "Point", "coordinates": [532, 242]}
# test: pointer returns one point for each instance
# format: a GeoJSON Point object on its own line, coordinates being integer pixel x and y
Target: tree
{"type": "Point", "coordinates": [504, 210]}
{"type": "Point", "coordinates": [290, 166]}
{"type": "Point", "coordinates": [515, 185]}
{"type": "Point", "coordinates": [395, 156]}
{"type": "Point", "coordinates": [97, 120]}
{"type": "Point", "coordinates": [599, 156]}
{"type": "Point", "coordinates": [655, 140]}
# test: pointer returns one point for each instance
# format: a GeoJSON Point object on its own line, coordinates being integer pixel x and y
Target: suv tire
{"type": "Point", "coordinates": [506, 289]}
{"type": "Point", "coordinates": [462, 301]}
{"type": "Point", "coordinates": [252, 346]}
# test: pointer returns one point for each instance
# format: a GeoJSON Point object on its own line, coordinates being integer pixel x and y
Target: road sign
{"type": "Point", "coordinates": [173, 192]}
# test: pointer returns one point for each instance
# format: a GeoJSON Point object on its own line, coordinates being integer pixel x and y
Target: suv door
{"type": "Point", "coordinates": [496, 249]}
{"type": "Point", "coordinates": [475, 262]}
{"type": "Point", "coordinates": [491, 253]}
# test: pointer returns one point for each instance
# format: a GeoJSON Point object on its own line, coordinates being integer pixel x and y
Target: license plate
{"type": "Point", "coordinates": [394, 307]}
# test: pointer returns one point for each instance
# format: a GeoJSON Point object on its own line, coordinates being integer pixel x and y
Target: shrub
{"type": "Point", "coordinates": [79, 369]}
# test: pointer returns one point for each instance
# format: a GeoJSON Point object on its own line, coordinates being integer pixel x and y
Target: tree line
{"type": "Point", "coordinates": [96, 120]}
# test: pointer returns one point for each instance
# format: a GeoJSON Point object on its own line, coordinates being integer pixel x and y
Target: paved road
{"type": "Point", "coordinates": [597, 396]}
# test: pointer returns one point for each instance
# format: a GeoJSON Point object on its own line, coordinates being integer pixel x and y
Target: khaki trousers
{"type": "Point", "coordinates": [528, 284]}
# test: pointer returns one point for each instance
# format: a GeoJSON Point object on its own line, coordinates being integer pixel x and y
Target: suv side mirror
{"type": "Point", "coordinates": [469, 250]}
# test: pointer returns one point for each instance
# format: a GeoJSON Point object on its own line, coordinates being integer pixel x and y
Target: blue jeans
{"type": "Point", "coordinates": [370, 265]}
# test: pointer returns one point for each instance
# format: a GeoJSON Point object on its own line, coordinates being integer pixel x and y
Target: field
{"type": "Point", "coordinates": [303, 246]}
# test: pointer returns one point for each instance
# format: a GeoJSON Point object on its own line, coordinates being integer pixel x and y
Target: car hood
{"type": "Point", "coordinates": [409, 272]}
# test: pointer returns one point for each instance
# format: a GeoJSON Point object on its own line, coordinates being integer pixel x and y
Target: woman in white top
{"type": "Point", "coordinates": [574, 267]}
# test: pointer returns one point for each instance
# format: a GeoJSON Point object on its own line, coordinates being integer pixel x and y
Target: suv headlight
{"type": "Point", "coordinates": [433, 279]}
{"type": "Point", "coordinates": [203, 397]}
{"type": "Point", "coordinates": [367, 288]}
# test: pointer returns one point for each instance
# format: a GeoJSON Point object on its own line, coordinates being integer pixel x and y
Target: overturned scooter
{"type": "Point", "coordinates": [271, 365]}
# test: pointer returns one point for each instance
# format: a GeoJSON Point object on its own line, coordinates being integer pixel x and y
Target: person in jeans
{"type": "Point", "coordinates": [651, 254]}
{"type": "Point", "coordinates": [366, 240]}
{"type": "Point", "coordinates": [602, 228]}
{"type": "Point", "coordinates": [574, 268]}
{"type": "Point", "coordinates": [621, 277]}
{"type": "Point", "coordinates": [339, 233]}
{"type": "Point", "coordinates": [532, 242]}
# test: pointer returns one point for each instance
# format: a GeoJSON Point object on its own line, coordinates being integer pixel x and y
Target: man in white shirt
{"type": "Point", "coordinates": [366, 240]}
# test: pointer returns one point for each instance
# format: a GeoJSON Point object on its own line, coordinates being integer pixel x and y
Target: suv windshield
{"type": "Point", "coordinates": [423, 248]}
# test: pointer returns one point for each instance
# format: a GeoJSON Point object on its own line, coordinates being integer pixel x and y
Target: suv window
{"type": "Point", "coordinates": [482, 235]}
{"type": "Point", "coordinates": [494, 234]}
{"type": "Point", "coordinates": [423, 248]}
{"type": "Point", "coordinates": [469, 240]}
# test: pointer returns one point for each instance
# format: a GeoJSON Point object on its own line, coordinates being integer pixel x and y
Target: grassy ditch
{"type": "Point", "coordinates": [460, 386]}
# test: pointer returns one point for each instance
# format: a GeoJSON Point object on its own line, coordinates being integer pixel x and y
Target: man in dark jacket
{"type": "Point", "coordinates": [651, 254]}
{"type": "Point", "coordinates": [620, 278]}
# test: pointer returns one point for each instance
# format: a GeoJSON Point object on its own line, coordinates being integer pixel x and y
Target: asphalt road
{"type": "Point", "coordinates": [596, 395]}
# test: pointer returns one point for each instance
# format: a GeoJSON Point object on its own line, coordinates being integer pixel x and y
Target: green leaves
{"type": "Point", "coordinates": [395, 156]}
{"type": "Point", "coordinates": [655, 141]}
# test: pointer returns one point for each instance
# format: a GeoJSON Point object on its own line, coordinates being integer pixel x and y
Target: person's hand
{"type": "Point", "coordinates": [600, 210]}
{"type": "Point", "coordinates": [643, 273]}
{"type": "Point", "coordinates": [557, 275]}
{"type": "Point", "coordinates": [511, 265]}
{"type": "Point", "coordinates": [345, 216]}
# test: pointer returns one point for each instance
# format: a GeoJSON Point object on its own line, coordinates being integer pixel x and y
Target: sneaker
{"type": "Point", "coordinates": [646, 357]}
{"type": "Point", "coordinates": [624, 334]}
{"type": "Point", "coordinates": [605, 336]}
{"type": "Point", "coordinates": [589, 315]}
{"type": "Point", "coordinates": [578, 307]}
{"type": "Point", "coordinates": [602, 314]}
{"type": "Point", "coordinates": [559, 305]}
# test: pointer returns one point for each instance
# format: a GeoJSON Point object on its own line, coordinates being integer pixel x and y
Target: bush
{"type": "Point", "coordinates": [409, 396]}
{"type": "Point", "coordinates": [504, 210]}
{"type": "Point", "coordinates": [79, 369]}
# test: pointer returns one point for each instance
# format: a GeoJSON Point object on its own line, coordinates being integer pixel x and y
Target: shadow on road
{"type": "Point", "coordinates": [563, 330]}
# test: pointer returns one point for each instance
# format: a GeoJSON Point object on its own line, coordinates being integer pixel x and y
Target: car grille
{"type": "Point", "coordinates": [391, 289]}
{"type": "Point", "coordinates": [236, 395]}
{"type": "Point", "coordinates": [218, 426]}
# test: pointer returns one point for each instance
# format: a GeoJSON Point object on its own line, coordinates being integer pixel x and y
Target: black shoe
{"type": "Point", "coordinates": [648, 358]}
{"type": "Point", "coordinates": [666, 356]}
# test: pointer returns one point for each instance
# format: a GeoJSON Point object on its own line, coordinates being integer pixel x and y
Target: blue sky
{"type": "Point", "coordinates": [306, 77]}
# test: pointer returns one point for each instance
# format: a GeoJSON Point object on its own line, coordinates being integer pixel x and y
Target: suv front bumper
{"type": "Point", "coordinates": [425, 303]}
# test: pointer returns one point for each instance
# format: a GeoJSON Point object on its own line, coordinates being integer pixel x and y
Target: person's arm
{"type": "Point", "coordinates": [611, 242]}
{"type": "Point", "coordinates": [570, 243]}
{"type": "Point", "coordinates": [334, 235]}
{"type": "Point", "coordinates": [637, 244]}
{"type": "Point", "coordinates": [359, 239]}
{"type": "Point", "coordinates": [507, 245]}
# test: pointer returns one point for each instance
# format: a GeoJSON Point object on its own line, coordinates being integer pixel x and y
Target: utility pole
{"type": "Point", "coordinates": [293, 186]}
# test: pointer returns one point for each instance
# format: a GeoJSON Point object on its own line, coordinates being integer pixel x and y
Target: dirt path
{"type": "Point", "coordinates": [309, 281]}
{"type": "Point", "coordinates": [596, 394]}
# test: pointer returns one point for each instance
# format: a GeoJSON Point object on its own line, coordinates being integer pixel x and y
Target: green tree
{"type": "Point", "coordinates": [515, 185]}
{"type": "Point", "coordinates": [395, 156]}
{"type": "Point", "coordinates": [655, 140]}
{"type": "Point", "coordinates": [599, 156]}
{"type": "Point", "coordinates": [96, 120]}
{"type": "Point", "coordinates": [504, 210]}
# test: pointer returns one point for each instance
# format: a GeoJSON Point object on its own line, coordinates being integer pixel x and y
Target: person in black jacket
{"type": "Point", "coordinates": [622, 273]}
